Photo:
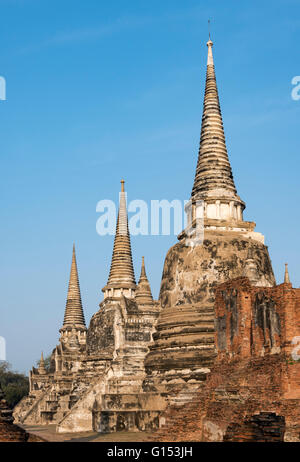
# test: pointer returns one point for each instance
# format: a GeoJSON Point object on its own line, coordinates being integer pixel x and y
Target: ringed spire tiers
{"type": "Point", "coordinates": [214, 183]}
{"type": "Point", "coordinates": [121, 280]}
{"type": "Point", "coordinates": [42, 369]}
{"type": "Point", "coordinates": [74, 316]}
{"type": "Point", "coordinates": [143, 291]}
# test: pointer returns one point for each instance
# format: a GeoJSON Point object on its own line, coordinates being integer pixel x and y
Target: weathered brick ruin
{"type": "Point", "coordinates": [209, 361]}
{"type": "Point", "coordinates": [253, 390]}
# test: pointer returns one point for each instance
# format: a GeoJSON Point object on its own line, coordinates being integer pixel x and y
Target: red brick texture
{"type": "Point", "coordinates": [253, 390]}
{"type": "Point", "coordinates": [11, 433]}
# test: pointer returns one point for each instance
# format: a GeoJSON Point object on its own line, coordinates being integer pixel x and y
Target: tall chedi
{"type": "Point", "coordinates": [228, 247]}
{"type": "Point", "coordinates": [67, 355]}
{"type": "Point", "coordinates": [73, 331]}
{"type": "Point", "coordinates": [49, 396]}
{"type": "Point", "coordinates": [214, 182]}
{"type": "Point", "coordinates": [124, 301]}
{"type": "Point", "coordinates": [121, 280]}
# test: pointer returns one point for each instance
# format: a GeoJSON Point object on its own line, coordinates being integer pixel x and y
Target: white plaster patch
{"type": "Point", "coordinates": [212, 431]}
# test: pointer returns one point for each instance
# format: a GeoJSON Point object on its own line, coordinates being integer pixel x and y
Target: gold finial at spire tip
{"type": "Point", "coordinates": [122, 185]}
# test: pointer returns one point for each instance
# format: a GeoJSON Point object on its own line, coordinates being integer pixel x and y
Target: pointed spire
{"type": "Point", "coordinates": [143, 270]}
{"type": "Point", "coordinates": [286, 275]}
{"type": "Point", "coordinates": [213, 179]}
{"type": "Point", "coordinates": [143, 291]}
{"type": "Point", "coordinates": [121, 275]}
{"type": "Point", "coordinates": [74, 315]}
{"type": "Point", "coordinates": [42, 369]}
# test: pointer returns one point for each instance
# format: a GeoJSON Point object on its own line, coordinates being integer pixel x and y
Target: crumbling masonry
{"type": "Point", "coordinates": [210, 359]}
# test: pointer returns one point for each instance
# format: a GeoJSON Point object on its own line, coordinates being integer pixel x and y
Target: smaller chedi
{"type": "Point", "coordinates": [96, 373]}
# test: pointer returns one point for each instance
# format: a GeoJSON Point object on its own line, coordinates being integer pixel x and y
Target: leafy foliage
{"type": "Point", "coordinates": [14, 385]}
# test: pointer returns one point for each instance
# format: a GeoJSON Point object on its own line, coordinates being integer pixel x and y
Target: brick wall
{"type": "Point", "coordinates": [253, 390]}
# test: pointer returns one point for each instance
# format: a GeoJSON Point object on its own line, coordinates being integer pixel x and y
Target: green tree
{"type": "Point", "coordinates": [14, 385]}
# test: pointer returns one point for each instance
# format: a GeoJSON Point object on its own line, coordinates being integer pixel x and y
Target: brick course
{"type": "Point", "coordinates": [253, 390]}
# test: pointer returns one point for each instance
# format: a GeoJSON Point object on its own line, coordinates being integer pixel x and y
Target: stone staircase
{"type": "Point", "coordinates": [80, 416]}
{"type": "Point", "coordinates": [22, 408]}
{"type": "Point", "coordinates": [28, 408]}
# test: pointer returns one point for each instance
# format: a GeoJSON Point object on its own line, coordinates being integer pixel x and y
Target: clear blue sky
{"type": "Point", "coordinates": [100, 90]}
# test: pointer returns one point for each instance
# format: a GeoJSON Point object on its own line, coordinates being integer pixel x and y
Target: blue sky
{"type": "Point", "coordinates": [97, 91]}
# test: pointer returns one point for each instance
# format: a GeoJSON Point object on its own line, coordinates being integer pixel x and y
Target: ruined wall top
{"type": "Point", "coordinates": [256, 321]}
